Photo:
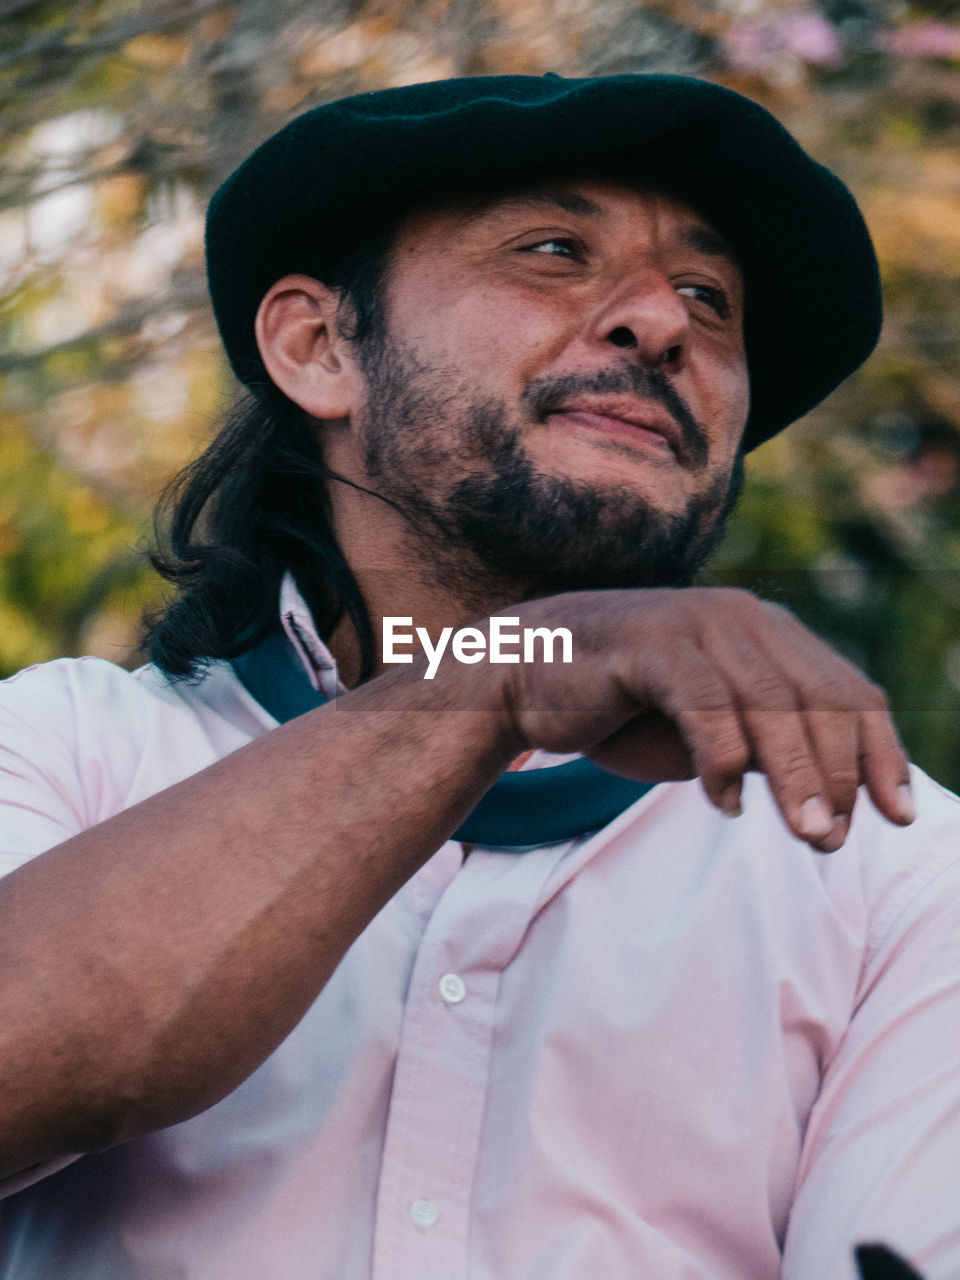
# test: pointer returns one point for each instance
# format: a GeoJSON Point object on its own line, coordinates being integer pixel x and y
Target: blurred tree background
{"type": "Point", "coordinates": [120, 117]}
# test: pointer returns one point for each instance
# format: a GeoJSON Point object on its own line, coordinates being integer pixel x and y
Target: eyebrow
{"type": "Point", "coordinates": [707, 241]}
{"type": "Point", "coordinates": [694, 235]}
{"type": "Point", "coordinates": [560, 198]}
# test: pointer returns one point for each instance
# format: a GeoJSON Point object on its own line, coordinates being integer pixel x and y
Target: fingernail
{"type": "Point", "coordinates": [905, 806]}
{"type": "Point", "coordinates": [816, 820]}
{"type": "Point", "coordinates": [835, 837]}
{"type": "Point", "coordinates": [730, 805]}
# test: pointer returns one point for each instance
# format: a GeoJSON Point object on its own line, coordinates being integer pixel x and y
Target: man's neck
{"type": "Point", "coordinates": [406, 572]}
{"type": "Point", "coordinates": [403, 592]}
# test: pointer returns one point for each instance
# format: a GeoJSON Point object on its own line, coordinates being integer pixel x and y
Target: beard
{"type": "Point", "coordinates": [500, 529]}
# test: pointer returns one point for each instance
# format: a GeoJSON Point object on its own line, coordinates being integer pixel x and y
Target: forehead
{"type": "Point", "coordinates": [601, 202]}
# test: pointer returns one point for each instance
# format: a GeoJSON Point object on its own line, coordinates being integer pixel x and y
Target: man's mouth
{"type": "Point", "coordinates": [632, 406]}
{"type": "Point", "coordinates": [647, 424]}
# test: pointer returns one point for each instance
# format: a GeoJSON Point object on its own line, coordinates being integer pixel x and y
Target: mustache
{"type": "Point", "coordinates": [547, 395]}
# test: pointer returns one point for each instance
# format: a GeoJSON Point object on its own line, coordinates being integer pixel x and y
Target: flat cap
{"type": "Point", "coordinates": [306, 195]}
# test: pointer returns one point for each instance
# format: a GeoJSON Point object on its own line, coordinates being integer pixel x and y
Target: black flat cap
{"type": "Point", "coordinates": [306, 195]}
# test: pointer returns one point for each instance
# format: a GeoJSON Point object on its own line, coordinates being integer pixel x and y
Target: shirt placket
{"type": "Point", "coordinates": [435, 1119]}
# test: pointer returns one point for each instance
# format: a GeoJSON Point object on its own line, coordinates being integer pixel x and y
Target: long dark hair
{"type": "Point", "coordinates": [254, 505]}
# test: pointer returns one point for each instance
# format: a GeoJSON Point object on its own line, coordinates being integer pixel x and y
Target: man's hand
{"type": "Point", "coordinates": [713, 682]}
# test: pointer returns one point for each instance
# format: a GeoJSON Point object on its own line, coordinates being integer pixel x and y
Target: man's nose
{"type": "Point", "coordinates": [648, 318]}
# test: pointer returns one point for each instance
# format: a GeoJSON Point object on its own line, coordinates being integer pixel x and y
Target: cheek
{"type": "Point", "coordinates": [725, 388]}
{"type": "Point", "coordinates": [496, 338]}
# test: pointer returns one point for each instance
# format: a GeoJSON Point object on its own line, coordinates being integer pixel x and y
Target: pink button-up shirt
{"type": "Point", "coordinates": [683, 1047]}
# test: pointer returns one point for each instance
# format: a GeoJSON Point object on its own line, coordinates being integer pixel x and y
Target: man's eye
{"type": "Point", "coordinates": [556, 247]}
{"type": "Point", "coordinates": [714, 298]}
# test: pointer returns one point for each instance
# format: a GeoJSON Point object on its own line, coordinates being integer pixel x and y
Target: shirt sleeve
{"type": "Point", "coordinates": [41, 801]}
{"type": "Point", "coordinates": [882, 1147]}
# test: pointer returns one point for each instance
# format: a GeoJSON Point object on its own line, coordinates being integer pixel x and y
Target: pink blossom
{"type": "Point", "coordinates": [812, 38]}
{"type": "Point", "coordinates": [922, 40]}
{"type": "Point", "coordinates": [805, 36]}
{"type": "Point", "coordinates": [747, 46]}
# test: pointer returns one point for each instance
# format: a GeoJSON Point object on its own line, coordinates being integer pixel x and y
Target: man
{"type": "Point", "coordinates": [305, 999]}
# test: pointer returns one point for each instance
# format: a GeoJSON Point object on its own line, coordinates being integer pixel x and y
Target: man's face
{"type": "Point", "coordinates": [558, 396]}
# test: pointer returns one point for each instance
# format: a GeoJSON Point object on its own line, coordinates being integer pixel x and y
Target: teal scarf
{"type": "Point", "coordinates": [533, 807]}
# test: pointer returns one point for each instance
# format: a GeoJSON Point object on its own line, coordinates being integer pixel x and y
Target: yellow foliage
{"type": "Point", "coordinates": [903, 130]}
{"type": "Point", "coordinates": [420, 72]}
{"type": "Point", "coordinates": [344, 49]}
{"type": "Point", "coordinates": [111, 634]}
{"type": "Point", "coordinates": [773, 461]}
{"type": "Point", "coordinates": [85, 515]}
{"type": "Point", "coordinates": [157, 51]}
{"type": "Point", "coordinates": [941, 168]}
{"type": "Point", "coordinates": [942, 390]}
{"type": "Point", "coordinates": [119, 198]}
{"type": "Point", "coordinates": [69, 365]}
{"type": "Point", "coordinates": [21, 640]}
{"type": "Point", "coordinates": [282, 98]}
{"type": "Point", "coordinates": [215, 25]}
{"type": "Point", "coordinates": [9, 538]}
{"type": "Point", "coordinates": [511, 58]}
{"type": "Point", "coordinates": [915, 229]}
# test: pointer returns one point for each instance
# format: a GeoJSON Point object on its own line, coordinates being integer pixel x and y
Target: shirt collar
{"type": "Point", "coordinates": [300, 629]}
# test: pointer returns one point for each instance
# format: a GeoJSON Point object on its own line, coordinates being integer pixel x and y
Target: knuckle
{"type": "Point", "coordinates": [698, 691]}
{"type": "Point", "coordinates": [843, 784]}
{"type": "Point", "coordinates": [768, 691]}
{"type": "Point", "coordinates": [726, 756]}
{"type": "Point", "coordinates": [832, 693]}
{"type": "Point", "coordinates": [793, 768]}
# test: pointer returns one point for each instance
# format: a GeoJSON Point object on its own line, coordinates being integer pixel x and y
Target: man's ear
{"type": "Point", "coordinates": [303, 350]}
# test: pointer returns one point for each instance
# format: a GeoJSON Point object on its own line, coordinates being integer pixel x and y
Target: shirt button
{"type": "Point", "coordinates": [452, 988]}
{"type": "Point", "coordinates": [424, 1213]}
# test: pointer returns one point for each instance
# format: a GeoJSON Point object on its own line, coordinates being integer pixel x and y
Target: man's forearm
{"type": "Point", "coordinates": [152, 962]}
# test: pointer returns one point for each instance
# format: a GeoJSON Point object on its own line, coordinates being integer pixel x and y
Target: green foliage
{"type": "Point", "coordinates": [69, 566]}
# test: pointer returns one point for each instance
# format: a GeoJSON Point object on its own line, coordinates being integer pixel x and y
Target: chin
{"type": "Point", "coordinates": [658, 481]}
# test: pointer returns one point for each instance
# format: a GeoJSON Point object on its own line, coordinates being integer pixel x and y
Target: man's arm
{"type": "Point", "coordinates": [150, 963]}
{"type": "Point", "coordinates": [260, 871]}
